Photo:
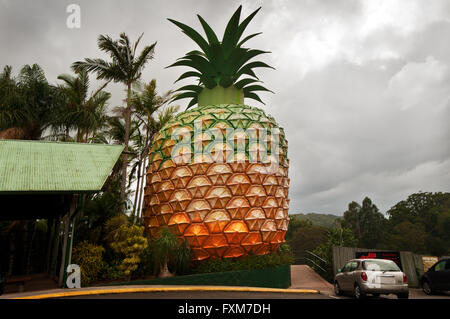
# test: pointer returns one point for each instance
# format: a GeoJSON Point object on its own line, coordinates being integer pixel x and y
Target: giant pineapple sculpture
{"type": "Point", "coordinates": [218, 172]}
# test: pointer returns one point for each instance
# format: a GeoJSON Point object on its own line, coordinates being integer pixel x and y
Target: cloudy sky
{"type": "Point", "coordinates": [362, 87]}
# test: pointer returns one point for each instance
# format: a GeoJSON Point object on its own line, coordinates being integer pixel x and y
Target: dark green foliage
{"type": "Point", "coordinates": [282, 257]}
{"type": "Point", "coordinates": [80, 111]}
{"type": "Point", "coordinates": [408, 236]}
{"type": "Point", "coordinates": [96, 211]}
{"type": "Point", "coordinates": [220, 62]}
{"type": "Point", "coordinates": [335, 237]}
{"type": "Point", "coordinates": [169, 254]}
{"type": "Point", "coordinates": [366, 222]}
{"type": "Point", "coordinates": [146, 266]}
{"type": "Point", "coordinates": [325, 220]}
{"type": "Point", "coordinates": [27, 102]}
{"type": "Point", "coordinates": [89, 258]}
{"type": "Point", "coordinates": [126, 64]}
{"type": "Point", "coordinates": [181, 261]}
{"type": "Point", "coordinates": [303, 235]}
{"type": "Point", "coordinates": [421, 223]}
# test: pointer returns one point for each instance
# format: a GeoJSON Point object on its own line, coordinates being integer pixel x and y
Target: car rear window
{"type": "Point", "coordinates": [380, 265]}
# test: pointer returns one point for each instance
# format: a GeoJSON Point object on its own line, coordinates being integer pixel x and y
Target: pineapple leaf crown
{"type": "Point", "coordinates": [221, 63]}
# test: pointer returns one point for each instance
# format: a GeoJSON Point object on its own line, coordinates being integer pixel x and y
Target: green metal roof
{"type": "Point", "coordinates": [40, 166]}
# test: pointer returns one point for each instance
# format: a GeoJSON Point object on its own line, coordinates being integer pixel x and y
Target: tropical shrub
{"type": "Point", "coordinates": [181, 262]}
{"type": "Point", "coordinates": [165, 248]}
{"type": "Point", "coordinates": [146, 266]}
{"type": "Point", "coordinates": [127, 241]}
{"type": "Point", "coordinates": [131, 245]}
{"type": "Point", "coordinates": [89, 258]}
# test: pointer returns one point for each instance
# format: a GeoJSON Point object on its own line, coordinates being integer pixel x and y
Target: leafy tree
{"type": "Point", "coordinates": [423, 207]}
{"type": "Point", "coordinates": [409, 237]}
{"type": "Point", "coordinates": [443, 225]}
{"type": "Point", "coordinates": [326, 220]}
{"type": "Point", "coordinates": [303, 235]}
{"type": "Point", "coordinates": [295, 224]}
{"type": "Point", "coordinates": [335, 237]}
{"type": "Point", "coordinates": [421, 223]}
{"type": "Point", "coordinates": [366, 223]}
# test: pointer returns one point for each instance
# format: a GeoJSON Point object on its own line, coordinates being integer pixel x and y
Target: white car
{"type": "Point", "coordinates": [371, 276]}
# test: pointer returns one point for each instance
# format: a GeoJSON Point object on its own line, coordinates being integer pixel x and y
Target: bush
{"type": "Point", "coordinates": [282, 257]}
{"type": "Point", "coordinates": [130, 245]}
{"type": "Point", "coordinates": [146, 266]}
{"type": "Point", "coordinates": [111, 272]}
{"type": "Point", "coordinates": [181, 261]}
{"type": "Point", "coordinates": [89, 258]}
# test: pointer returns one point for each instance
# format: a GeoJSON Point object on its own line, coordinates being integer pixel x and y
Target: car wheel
{"type": "Point", "coordinates": [427, 288]}
{"type": "Point", "coordinates": [403, 296]}
{"type": "Point", "coordinates": [337, 289]}
{"type": "Point", "coordinates": [358, 293]}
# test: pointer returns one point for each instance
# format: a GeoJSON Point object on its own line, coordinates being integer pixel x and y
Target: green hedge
{"type": "Point", "coordinates": [276, 277]}
{"type": "Point", "coordinates": [274, 259]}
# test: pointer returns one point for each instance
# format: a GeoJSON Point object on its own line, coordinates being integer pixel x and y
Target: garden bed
{"type": "Point", "coordinates": [276, 277]}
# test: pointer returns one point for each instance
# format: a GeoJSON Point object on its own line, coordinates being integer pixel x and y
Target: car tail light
{"type": "Point", "coordinates": [405, 280]}
{"type": "Point", "coordinates": [364, 276]}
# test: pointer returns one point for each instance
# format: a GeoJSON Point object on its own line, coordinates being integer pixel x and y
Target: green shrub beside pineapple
{"type": "Point", "coordinates": [89, 258]}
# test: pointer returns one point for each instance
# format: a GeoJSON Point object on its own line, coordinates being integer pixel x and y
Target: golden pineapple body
{"type": "Point", "coordinates": [218, 177]}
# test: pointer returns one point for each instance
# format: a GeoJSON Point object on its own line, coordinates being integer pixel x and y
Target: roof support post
{"type": "Point", "coordinates": [68, 241]}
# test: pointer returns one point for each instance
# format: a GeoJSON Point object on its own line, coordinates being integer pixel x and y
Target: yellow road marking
{"type": "Point", "coordinates": [164, 289]}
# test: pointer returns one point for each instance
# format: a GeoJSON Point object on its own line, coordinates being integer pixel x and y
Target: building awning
{"type": "Point", "coordinates": [54, 167]}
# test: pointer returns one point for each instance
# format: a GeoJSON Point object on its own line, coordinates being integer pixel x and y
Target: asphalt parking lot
{"type": "Point", "coordinates": [414, 293]}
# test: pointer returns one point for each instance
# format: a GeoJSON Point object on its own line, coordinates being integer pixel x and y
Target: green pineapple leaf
{"type": "Point", "coordinates": [194, 35]}
{"type": "Point", "coordinates": [188, 74]}
{"type": "Point", "coordinates": [241, 83]}
{"type": "Point", "coordinates": [248, 38]}
{"type": "Point", "coordinates": [221, 63]}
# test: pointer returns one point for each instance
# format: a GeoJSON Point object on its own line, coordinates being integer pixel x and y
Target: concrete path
{"type": "Point", "coordinates": [303, 277]}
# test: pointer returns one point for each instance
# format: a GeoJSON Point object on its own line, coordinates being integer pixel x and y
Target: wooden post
{"type": "Point", "coordinates": [55, 247]}
{"type": "Point", "coordinates": [49, 241]}
{"type": "Point", "coordinates": [68, 240]}
{"type": "Point", "coordinates": [63, 257]}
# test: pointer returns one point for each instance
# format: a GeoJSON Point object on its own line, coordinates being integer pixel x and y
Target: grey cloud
{"type": "Point", "coordinates": [349, 136]}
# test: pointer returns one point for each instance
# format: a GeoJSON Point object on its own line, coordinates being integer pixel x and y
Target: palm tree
{"type": "Point", "coordinates": [27, 104]}
{"type": "Point", "coordinates": [80, 112]}
{"type": "Point", "coordinates": [146, 103]}
{"type": "Point", "coordinates": [165, 248]}
{"type": "Point", "coordinates": [114, 133]}
{"type": "Point", "coordinates": [125, 67]}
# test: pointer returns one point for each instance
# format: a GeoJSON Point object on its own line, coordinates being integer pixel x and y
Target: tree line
{"type": "Point", "coordinates": [420, 224]}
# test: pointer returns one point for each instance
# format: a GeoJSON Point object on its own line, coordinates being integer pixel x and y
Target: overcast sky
{"type": "Point", "coordinates": [362, 87]}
